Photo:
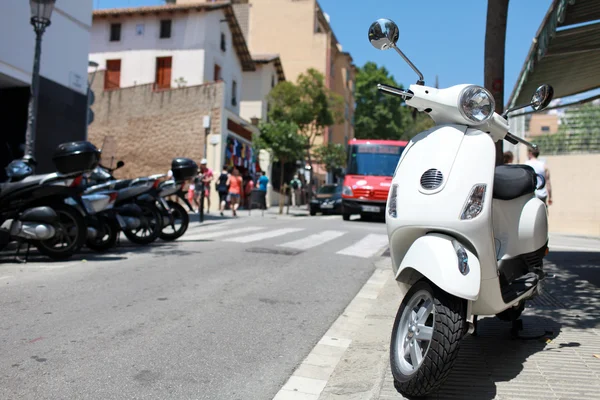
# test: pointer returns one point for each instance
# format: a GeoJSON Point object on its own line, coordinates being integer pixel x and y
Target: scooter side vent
{"type": "Point", "coordinates": [432, 179]}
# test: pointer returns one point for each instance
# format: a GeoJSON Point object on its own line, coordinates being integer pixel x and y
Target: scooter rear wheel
{"type": "Point", "coordinates": [179, 213]}
{"type": "Point", "coordinates": [151, 226]}
{"type": "Point", "coordinates": [425, 339]}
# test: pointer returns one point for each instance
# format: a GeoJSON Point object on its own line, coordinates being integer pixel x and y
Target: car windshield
{"type": "Point", "coordinates": [328, 189]}
{"type": "Point", "coordinates": [374, 160]}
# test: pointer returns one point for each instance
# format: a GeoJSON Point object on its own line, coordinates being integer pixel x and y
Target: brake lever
{"type": "Point", "coordinates": [395, 91]}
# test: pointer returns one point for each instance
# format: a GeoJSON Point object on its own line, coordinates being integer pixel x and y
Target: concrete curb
{"type": "Point", "coordinates": [314, 374]}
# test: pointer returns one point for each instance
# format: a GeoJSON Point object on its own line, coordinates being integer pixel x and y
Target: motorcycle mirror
{"type": "Point", "coordinates": [384, 34]}
{"type": "Point", "coordinates": [120, 164]}
{"type": "Point", "coordinates": [542, 97]}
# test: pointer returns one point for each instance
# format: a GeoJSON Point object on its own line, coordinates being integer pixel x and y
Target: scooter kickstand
{"type": "Point", "coordinates": [517, 326]}
{"type": "Point", "coordinates": [474, 326]}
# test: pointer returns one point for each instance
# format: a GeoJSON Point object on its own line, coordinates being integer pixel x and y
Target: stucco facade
{"type": "Point", "coordinates": [62, 105]}
{"type": "Point", "coordinates": [194, 46]}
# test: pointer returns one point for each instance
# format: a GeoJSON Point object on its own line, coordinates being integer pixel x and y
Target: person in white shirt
{"type": "Point", "coordinates": [540, 168]}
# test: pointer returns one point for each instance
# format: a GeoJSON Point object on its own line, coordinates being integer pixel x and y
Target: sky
{"type": "Point", "coordinates": [441, 37]}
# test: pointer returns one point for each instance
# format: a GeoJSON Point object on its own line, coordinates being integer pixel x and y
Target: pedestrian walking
{"type": "Point", "coordinates": [540, 168]}
{"type": "Point", "coordinates": [222, 186]}
{"type": "Point", "coordinates": [296, 187]}
{"type": "Point", "coordinates": [236, 190]}
{"type": "Point", "coordinates": [207, 177]}
{"type": "Point", "coordinates": [263, 181]}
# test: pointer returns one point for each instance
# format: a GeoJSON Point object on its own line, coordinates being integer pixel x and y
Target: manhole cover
{"type": "Point", "coordinates": [261, 250]}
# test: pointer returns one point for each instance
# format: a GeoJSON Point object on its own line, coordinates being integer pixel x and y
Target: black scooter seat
{"type": "Point", "coordinates": [11, 187]}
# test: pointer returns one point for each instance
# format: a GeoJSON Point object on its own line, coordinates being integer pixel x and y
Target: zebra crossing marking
{"type": "Point", "coordinates": [263, 235]}
{"type": "Point", "coordinates": [220, 233]}
{"type": "Point", "coordinates": [313, 240]}
{"type": "Point", "coordinates": [366, 247]}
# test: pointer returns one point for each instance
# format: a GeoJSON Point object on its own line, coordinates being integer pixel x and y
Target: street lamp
{"type": "Point", "coordinates": [41, 10]}
{"type": "Point", "coordinates": [89, 115]}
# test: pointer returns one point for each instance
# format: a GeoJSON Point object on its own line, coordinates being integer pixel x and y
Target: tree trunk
{"type": "Point", "coordinates": [495, 38]}
{"type": "Point", "coordinates": [281, 189]}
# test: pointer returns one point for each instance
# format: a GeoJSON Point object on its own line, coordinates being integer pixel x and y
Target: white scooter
{"type": "Point", "coordinates": [466, 238]}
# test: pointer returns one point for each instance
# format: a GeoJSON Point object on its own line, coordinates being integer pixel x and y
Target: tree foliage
{"type": "Point", "coordinates": [309, 104]}
{"type": "Point", "coordinates": [381, 116]}
{"type": "Point", "coordinates": [578, 132]}
{"type": "Point", "coordinates": [332, 156]}
{"type": "Point", "coordinates": [281, 139]}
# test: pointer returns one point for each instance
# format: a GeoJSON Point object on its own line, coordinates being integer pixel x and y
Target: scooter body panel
{"type": "Point", "coordinates": [434, 257]}
{"type": "Point", "coordinates": [447, 148]}
{"type": "Point", "coordinates": [520, 226]}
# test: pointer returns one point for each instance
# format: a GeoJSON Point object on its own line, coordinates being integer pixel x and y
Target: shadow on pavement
{"type": "Point", "coordinates": [493, 356]}
{"type": "Point", "coordinates": [584, 264]}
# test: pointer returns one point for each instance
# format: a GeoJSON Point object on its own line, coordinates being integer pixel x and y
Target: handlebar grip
{"type": "Point", "coordinates": [510, 139]}
{"type": "Point", "coordinates": [395, 91]}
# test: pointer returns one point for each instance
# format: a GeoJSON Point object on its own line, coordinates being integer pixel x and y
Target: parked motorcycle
{"type": "Point", "coordinates": [466, 238]}
{"type": "Point", "coordinates": [140, 206]}
{"type": "Point", "coordinates": [33, 209]}
{"type": "Point", "coordinates": [172, 229]}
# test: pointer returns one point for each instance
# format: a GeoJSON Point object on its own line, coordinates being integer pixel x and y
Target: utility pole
{"type": "Point", "coordinates": [495, 40]}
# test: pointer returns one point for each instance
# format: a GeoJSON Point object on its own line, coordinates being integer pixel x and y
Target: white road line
{"type": "Point", "coordinates": [313, 240]}
{"type": "Point", "coordinates": [264, 235]}
{"type": "Point", "coordinates": [219, 233]}
{"type": "Point", "coordinates": [5, 277]}
{"type": "Point", "coordinates": [366, 247]}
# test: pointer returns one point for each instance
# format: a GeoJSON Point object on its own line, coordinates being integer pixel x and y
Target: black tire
{"type": "Point", "coordinates": [111, 230]}
{"type": "Point", "coordinates": [447, 326]}
{"type": "Point", "coordinates": [313, 213]}
{"type": "Point", "coordinates": [178, 212]}
{"type": "Point", "coordinates": [151, 222]}
{"type": "Point", "coordinates": [346, 217]}
{"type": "Point", "coordinates": [512, 314]}
{"type": "Point", "coordinates": [70, 229]}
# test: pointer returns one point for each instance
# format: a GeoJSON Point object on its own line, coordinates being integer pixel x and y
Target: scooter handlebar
{"type": "Point", "coordinates": [516, 140]}
{"type": "Point", "coordinates": [395, 91]}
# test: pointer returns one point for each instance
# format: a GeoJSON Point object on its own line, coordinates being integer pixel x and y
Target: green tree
{"type": "Point", "coordinates": [284, 142]}
{"type": "Point", "coordinates": [378, 115]}
{"type": "Point", "coordinates": [332, 156]}
{"type": "Point", "coordinates": [309, 104]}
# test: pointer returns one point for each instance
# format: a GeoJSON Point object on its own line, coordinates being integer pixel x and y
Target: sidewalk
{"type": "Point", "coordinates": [491, 365]}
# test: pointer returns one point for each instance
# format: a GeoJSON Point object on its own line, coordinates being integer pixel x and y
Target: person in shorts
{"type": "Point", "coordinates": [222, 186]}
{"type": "Point", "coordinates": [540, 168]}
{"type": "Point", "coordinates": [207, 177]}
{"type": "Point", "coordinates": [236, 190]}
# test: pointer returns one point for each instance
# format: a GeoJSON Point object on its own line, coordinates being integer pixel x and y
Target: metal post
{"type": "Point", "coordinates": [33, 97]}
{"type": "Point", "coordinates": [201, 209]}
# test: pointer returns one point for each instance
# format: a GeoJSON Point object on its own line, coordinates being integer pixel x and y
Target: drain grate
{"type": "Point", "coordinates": [262, 250]}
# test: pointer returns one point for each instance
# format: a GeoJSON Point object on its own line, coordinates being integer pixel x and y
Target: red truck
{"type": "Point", "coordinates": [370, 167]}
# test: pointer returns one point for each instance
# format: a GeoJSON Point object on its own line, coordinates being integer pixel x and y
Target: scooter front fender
{"type": "Point", "coordinates": [434, 256]}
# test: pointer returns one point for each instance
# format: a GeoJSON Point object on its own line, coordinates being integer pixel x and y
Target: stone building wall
{"type": "Point", "coordinates": [148, 128]}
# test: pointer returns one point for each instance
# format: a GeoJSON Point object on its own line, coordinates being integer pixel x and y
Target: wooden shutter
{"type": "Point", "coordinates": [163, 72]}
{"type": "Point", "coordinates": [112, 77]}
{"type": "Point", "coordinates": [217, 73]}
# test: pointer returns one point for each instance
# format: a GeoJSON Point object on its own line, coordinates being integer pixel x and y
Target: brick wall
{"type": "Point", "coordinates": [150, 128]}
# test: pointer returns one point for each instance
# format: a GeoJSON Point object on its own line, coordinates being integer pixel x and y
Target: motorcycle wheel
{"type": "Point", "coordinates": [71, 232]}
{"type": "Point", "coordinates": [425, 339]}
{"type": "Point", "coordinates": [111, 230]}
{"type": "Point", "coordinates": [168, 233]}
{"type": "Point", "coordinates": [151, 224]}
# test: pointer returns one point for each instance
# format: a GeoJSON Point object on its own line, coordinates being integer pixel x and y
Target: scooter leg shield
{"type": "Point", "coordinates": [436, 257]}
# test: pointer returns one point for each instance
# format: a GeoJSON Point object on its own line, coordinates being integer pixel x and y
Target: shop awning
{"type": "Point", "coordinates": [565, 52]}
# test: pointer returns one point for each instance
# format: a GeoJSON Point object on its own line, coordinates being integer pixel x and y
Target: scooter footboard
{"type": "Point", "coordinates": [436, 257]}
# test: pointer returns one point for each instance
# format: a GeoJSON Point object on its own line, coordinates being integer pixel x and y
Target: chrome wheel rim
{"type": "Point", "coordinates": [415, 331]}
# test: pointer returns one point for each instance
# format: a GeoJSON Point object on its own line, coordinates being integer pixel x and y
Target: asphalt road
{"type": "Point", "coordinates": [204, 318]}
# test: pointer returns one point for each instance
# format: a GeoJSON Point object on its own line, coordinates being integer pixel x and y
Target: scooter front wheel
{"type": "Point", "coordinates": [425, 339]}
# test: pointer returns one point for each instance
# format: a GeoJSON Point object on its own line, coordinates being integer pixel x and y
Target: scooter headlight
{"type": "Point", "coordinates": [476, 104]}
